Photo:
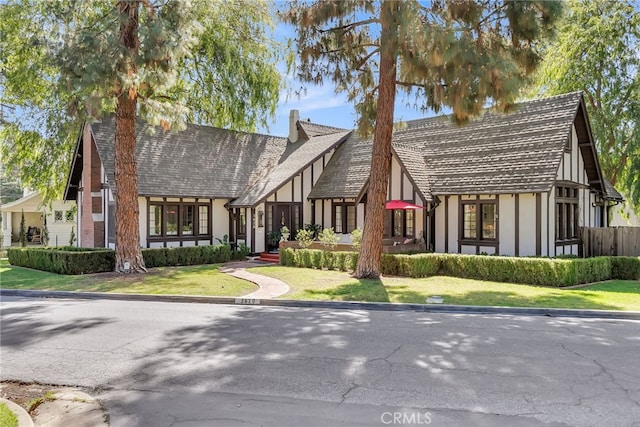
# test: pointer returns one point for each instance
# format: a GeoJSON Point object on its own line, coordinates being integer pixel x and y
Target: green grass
{"type": "Point", "coordinates": [7, 417]}
{"type": "Point", "coordinates": [191, 280]}
{"type": "Point", "coordinates": [309, 284]}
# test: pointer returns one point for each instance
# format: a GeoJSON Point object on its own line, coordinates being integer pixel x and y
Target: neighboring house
{"type": "Point", "coordinates": [624, 216]}
{"type": "Point", "coordinates": [517, 184]}
{"type": "Point", "coordinates": [61, 217]}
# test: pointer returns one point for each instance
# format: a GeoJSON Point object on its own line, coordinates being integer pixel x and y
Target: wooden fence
{"type": "Point", "coordinates": [619, 241]}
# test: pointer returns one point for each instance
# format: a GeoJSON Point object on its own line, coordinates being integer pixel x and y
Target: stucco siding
{"type": "Point", "coordinates": [507, 225]}
{"type": "Point", "coordinates": [284, 193]}
{"type": "Point", "coordinates": [144, 217]}
{"type": "Point", "coordinates": [220, 219]}
{"type": "Point", "coordinates": [527, 224]}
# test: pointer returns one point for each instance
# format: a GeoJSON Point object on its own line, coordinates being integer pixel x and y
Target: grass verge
{"type": "Point", "coordinates": [310, 284]}
{"type": "Point", "coordinates": [190, 280]}
{"type": "Point", "coordinates": [7, 417]}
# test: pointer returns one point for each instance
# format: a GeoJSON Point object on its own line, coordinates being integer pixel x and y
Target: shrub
{"type": "Point", "coordinates": [625, 268]}
{"type": "Point", "coordinates": [356, 238]}
{"type": "Point", "coordinates": [64, 260]}
{"type": "Point", "coordinates": [589, 270]}
{"type": "Point", "coordinates": [316, 259]}
{"type": "Point", "coordinates": [189, 255]}
{"type": "Point", "coordinates": [533, 271]}
{"type": "Point", "coordinates": [328, 238]}
{"type": "Point", "coordinates": [389, 265]}
{"type": "Point", "coordinates": [22, 234]}
{"type": "Point", "coordinates": [241, 252]}
{"type": "Point", "coordinates": [304, 238]}
{"type": "Point", "coordinates": [287, 257]}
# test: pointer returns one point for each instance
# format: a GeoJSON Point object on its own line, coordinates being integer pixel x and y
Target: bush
{"type": "Point", "coordinates": [328, 238]}
{"type": "Point", "coordinates": [188, 255]}
{"type": "Point", "coordinates": [318, 259]}
{"type": "Point", "coordinates": [64, 260]}
{"type": "Point", "coordinates": [356, 238]}
{"type": "Point", "coordinates": [304, 238]}
{"type": "Point", "coordinates": [625, 268]}
{"type": "Point", "coordinates": [532, 271]}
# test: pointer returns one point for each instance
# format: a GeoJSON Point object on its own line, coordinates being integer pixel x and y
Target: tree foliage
{"type": "Point", "coordinates": [209, 62]}
{"type": "Point", "coordinates": [597, 51]}
{"type": "Point", "coordinates": [166, 62]}
{"type": "Point", "coordinates": [456, 54]}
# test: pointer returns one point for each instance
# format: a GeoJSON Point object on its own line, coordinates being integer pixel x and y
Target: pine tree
{"type": "Point", "coordinates": [458, 54]}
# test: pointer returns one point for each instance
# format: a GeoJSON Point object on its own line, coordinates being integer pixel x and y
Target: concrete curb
{"type": "Point", "coordinates": [342, 305]}
{"type": "Point", "coordinates": [24, 420]}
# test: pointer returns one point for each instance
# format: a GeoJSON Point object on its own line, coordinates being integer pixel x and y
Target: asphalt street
{"type": "Point", "coordinates": [179, 364]}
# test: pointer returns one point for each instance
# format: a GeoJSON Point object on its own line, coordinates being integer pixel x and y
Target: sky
{"type": "Point", "coordinates": [320, 103]}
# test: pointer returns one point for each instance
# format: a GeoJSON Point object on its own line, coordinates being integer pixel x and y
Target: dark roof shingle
{"type": "Point", "coordinates": [208, 162]}
{"type": "Point", "coordinates": [518, 152]}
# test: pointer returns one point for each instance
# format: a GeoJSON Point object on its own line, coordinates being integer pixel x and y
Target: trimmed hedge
{"type": "Point", "coordinates": [64, 260]}
{"type": "Point", "coordinates": [625, 267]}
{"type": "Point", "coordinates": [74, 260]}
{"type": "Point", "coordinates": [188, 255]}
{"type": "Point", "coordinates": [533, 271]}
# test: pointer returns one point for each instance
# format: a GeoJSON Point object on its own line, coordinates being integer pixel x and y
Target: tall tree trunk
{"type": "Point", "coordinates": [371, 248]}
{"type": "Point", "coordinates": [128, 252]}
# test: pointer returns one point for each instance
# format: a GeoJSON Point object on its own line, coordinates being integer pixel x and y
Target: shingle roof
{"type": "Point", "coordinates": [314, 129]}
{"type": "Point", "coordinates": [346, 172]}
{"type": "Point", "coordinates": [295, 158]}
{"type": "Point", "coordinates": [208, 162]}
{"type": "Point", "coordinates": [496, 153]}
{"type": "Point", "coordinates": [611, 192]}
{"type": "Point", "coordinates": [413, 161]}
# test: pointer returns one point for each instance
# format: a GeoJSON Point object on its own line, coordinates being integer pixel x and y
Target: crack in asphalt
{"type": "Point", "coordinates": [602, 371]}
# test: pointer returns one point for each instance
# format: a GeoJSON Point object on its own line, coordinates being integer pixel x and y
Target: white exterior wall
{"type": "Point", "coordinates": [507, 224]}
{"type": "Point", "coordinates": [34, 213]}
{"type": "Point", "coordinates": [220, 221]}
{"type": "Point", "coordinates": [326, 220]}
{"type": "Point", "coordinates": [527, 225]}
{"type": "Point", "coordinates": [307, 206]}
{"type": "Point", "coordinates": [144, 217]}
{"type": "Point", "coordinates": [284, 193]}
{"type": "Point", "coordinates": [394, 180]}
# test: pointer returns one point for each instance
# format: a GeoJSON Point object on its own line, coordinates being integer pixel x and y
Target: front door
{"type": "Point", "coordinates": [282, 217]}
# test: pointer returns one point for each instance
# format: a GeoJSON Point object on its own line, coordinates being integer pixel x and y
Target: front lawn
{"type": "Point", "coordinates": [191, 280]}
{"type": "Point", "coordinates": [310, 284]}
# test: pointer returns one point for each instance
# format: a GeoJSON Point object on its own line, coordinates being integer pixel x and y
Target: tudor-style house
{"type": "Point", "coordinates": [517, 184]}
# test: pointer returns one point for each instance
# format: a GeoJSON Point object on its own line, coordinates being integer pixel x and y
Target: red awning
{"type": "Point", "coordinates": [400, 204]}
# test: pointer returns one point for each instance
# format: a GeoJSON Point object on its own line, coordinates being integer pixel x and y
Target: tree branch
{"type": "Point", "coordinates": [353, 25]}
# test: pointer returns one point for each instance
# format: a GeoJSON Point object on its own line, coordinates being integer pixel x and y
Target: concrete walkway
{"type": "Point", "coordinates": [269, 287]}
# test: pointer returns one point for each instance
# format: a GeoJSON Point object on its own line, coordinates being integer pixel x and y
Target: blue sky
{"type": "Point", "coordinates": [320, 103]}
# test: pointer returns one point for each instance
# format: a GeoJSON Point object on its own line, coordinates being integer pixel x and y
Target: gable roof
{"type": "Point", "coordinates": [295, 158]}
{"type": "Point", "coordinates": [611, 193]}
{"type": "Point", "coordinates": [515, 153]}
{"type": "Point", "coordinates": [347, 170]}
{"type": "Point", "coordinates": [208, 162]}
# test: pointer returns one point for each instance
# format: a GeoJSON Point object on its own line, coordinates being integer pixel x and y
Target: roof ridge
{"type": "Point", "coordinates": [431, 119]}
{"type": "Point", "coordinates": [337, 129]}
{"type": "Point", "coordinates": [145, 123]}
